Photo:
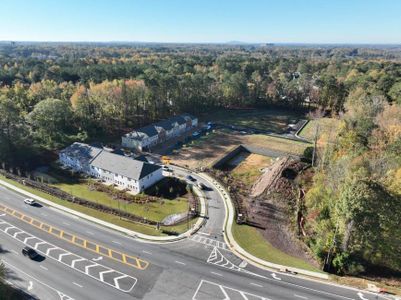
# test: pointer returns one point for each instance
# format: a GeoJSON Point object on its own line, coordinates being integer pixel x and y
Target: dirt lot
{"type": "Point", "coordinates": [206, 150]}
{"type": "Point", "coordinates": [251, 168]}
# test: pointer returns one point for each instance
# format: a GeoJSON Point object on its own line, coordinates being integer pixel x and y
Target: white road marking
{"type": "Point", "coordinates": [204, 233]}
{"type": "Point", "coordinates": [298, 296]}
{"type": "Point", "coordinates": [28, 238]}
{"type": "Point", "coordinates": [275, 276]}
{"type": "Point", "coordinates": [17, 233]}
{"type": "Point", "coordinates": [76, 260]}
{"type": "Point", "coordinates": [65, 223]}
{"type": "Point", "coordinates": [104, 272]}
{"type": "Point", "coordinates": [46, 285]}
{"type": "Point", "coordinates": [218, 274]}
{"type": "Point", "coordinates": [14, 251]}
{"type": "Point", "coordinates": [30, 285]}
{"type": "Point", "coordinates": [39, 243]}
{"type": "Point", "coordinates": [89, 266]}
{"type": "Point", "coordinates": [224, 289]}
{"type": "Point", "coordinates": [118, 243]}
{"type": "Point", "coordinates": [98, 258]}
{"type": "Point", "coordinates": [43, 214]}
{"type": "Point", "coordinates": [243, 264]}
{"type": "Point", "coordinates": [50, 249]}
{"type": "Point", "coordinates": [132, 280]}
{"type": "Point", "coordinates": [90, 232]}
{"type": "Point", "coordinates": [2, 215]}
{"type": "Point", "coordinates": [147, 252]}
{"type": "Point", "coordinates": [44, 268]}
{"type": "Point", "coordinates": [77, 284]}
{"type": "Point", "coordinates": [118, 278]}
{"type": "Point", "coordinates": [362, 296]}
{"type": "Point", "coordinates": [64, 254]}
{"type": "Point", "coordinates": [255, 284]}
{"type": "Point", "coordinates": [179, 262]}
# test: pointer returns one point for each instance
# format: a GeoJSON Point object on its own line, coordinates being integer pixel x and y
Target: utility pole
{"type": "Point", "coordinates": [314, 146]}
{"type": "Point", "coordinates": [189, 209]}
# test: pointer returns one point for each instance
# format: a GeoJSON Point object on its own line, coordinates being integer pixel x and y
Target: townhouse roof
{"type": "Point", "coordinates": [154, 129]}
{"type": "Point", "coordinates": [124, 166]}
{"type": "Point", "coordinates": [81, 152]}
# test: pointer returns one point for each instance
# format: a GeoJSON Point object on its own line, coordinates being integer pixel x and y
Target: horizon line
{"type": "Point", "coordinates": [234, 42]}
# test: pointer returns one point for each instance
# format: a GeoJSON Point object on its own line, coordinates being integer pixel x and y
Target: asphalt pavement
{"type": "Point", "coordinates": [200, 267]}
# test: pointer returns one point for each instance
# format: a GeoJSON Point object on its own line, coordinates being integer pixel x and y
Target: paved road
{"type": "Point", "coordinates": [197, 268]}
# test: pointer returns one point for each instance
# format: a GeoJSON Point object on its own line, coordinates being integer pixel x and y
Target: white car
{"type": "Point", "coordinates": [29, 201]}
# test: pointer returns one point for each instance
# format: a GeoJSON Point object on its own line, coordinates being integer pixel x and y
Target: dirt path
{"type": "Point", "coordinates": [273, 205]}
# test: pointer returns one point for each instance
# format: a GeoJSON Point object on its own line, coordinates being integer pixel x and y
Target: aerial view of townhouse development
{"type": "Point", "coordinates": [200, 150]}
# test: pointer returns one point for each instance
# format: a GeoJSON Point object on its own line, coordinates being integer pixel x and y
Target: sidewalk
{"type": "Point", "coordinates": [238, 250]}
{"type": "Point", "coordinates": [145, 237]}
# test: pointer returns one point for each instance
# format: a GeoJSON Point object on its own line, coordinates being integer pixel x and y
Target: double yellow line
{"type": "Point", "coordinates": [78, 241]}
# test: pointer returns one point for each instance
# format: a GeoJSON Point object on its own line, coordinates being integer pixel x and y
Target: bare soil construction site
{"type": "Point", "coordinates": [262, 172]}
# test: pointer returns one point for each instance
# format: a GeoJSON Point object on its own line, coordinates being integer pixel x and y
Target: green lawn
{"type": "Point", "coordinates": [145, 229]}
{"type": "Point", "coordinates": [251, 240]}
{"type": "Point", "coordinates": [155, 211]}
{"type": "Point", "coordinates": [263, 119]}
{"type": "Point", "coordinates": [326, 125]}
{"type": "Point", "coordinates": [277, 144]}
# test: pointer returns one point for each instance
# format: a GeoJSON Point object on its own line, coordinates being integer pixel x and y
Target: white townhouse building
{"type": "Point", "coordinates": [78, 156]}
{"type": "Point", "coordinates": [159, 132]}
{"type": "Point", "coordinates": [125, 172]}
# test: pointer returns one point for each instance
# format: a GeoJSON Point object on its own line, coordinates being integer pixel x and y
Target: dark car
{"type": "Point", "coordinates": [190, 178]}
{"type": "Point", "coordinates": [202, 186]}
{"type": "Point", "coordinates": [31, 253]}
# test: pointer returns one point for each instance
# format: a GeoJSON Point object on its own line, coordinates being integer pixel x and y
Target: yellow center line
{"type": "Point", "coordinates": [132, 261]}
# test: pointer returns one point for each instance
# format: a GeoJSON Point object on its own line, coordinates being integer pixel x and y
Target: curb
{"type": "Point", "coordinates": [238, 250]}
{"type": "Point", "coordinates": [131, 233]}
{"type": "Point", "coordinates": [300, 129]}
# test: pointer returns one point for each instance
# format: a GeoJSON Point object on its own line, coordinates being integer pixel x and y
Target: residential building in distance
{"type": "Point", "coordinates": [126, 172]}
{"type": "Point", "coordinates": [157, 133]}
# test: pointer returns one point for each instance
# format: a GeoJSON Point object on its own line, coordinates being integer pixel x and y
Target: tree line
{"type": "Point", "coordinates": [354, 206]}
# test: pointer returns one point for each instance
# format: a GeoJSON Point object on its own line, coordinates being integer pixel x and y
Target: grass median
{"type": "Point", "coordinates": [251, 240]}
{"type": "Point", "coordinates": [116, 220]}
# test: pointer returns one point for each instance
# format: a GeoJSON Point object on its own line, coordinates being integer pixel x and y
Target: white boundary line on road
{"type": "Point", "coordinates": [223, 290]}
{"type": "Point", "coordinates": [34, 278]}
{"type": "Point", "coordinates": [72, 266]}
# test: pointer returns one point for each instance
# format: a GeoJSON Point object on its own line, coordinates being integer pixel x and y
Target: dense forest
{"type": "Point", "coordinates": [53, 94]}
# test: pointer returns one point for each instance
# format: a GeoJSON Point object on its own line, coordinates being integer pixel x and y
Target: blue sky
{"type": "Point", "coordinates": [297, 21]}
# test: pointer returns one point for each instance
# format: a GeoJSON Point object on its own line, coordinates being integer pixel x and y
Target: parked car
{"type": "Point", "coordinates": [202, 186]}
{"type": "Point", "coordinates": [31, 253]}
{"type": "Point", "coordinates": [196, 133]}
{"type": "Point", "coordinates": [166, 168]}
{"type": "Point", "coordinates": [29, 201]}
{"type": "Point", "coordinates": [190, 178]}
